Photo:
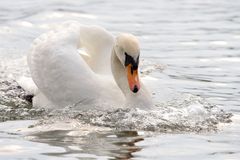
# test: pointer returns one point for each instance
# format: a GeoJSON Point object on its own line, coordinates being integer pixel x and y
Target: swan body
{"type": "Point", "coordinates": [63, 75]}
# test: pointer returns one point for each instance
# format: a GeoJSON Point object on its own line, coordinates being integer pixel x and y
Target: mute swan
{"type": "Point", "coordinates": [62, 76]}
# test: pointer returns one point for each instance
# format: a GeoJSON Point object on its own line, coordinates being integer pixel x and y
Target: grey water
{"type": "Point", "coordinates": [188, 47]}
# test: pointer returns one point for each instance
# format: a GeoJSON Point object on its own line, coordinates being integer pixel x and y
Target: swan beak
{"type": "Point", "coordinates": [133, 80]}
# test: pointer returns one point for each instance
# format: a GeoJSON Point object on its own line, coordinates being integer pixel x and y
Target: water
{"type": "Point", "coordinates": [190, 47]}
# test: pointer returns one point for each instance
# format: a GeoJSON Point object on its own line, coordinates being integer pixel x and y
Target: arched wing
{"type": "Point", "coordinates": [97, 43]}
{"type": "Point", "coordinates": [57, 68]}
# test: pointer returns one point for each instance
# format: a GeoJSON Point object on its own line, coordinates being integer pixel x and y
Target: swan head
{"type": "Point", "coordinates": [128, 51]}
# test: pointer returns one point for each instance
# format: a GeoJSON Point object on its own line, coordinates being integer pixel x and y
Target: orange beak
{"type": "Point", "coordinates": [133, 79]}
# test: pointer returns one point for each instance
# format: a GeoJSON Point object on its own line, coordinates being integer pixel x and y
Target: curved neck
{"type": "Point", "coordinates": [142, 98]}
{"type": "Point", "coordinates": [119, 73]}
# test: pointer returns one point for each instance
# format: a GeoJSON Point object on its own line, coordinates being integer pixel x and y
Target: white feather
{"type": "Point", "coordinates": [63, 76]}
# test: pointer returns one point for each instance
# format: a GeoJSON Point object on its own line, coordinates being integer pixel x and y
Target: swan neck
{"type": "Point", "coordinates": [119, 73]}
{"type": "Point", "coordinates": [141, 99]}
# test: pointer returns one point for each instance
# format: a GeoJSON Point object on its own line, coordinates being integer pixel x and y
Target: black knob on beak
{"type": "Point", "coordinates": [135, 89]}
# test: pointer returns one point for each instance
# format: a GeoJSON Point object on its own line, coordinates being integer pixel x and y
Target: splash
{"type": "Point", "coordinates": [185, 114]}
{"type": "Point", "coordinates": [181, 113]}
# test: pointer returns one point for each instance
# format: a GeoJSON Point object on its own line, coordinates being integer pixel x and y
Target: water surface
{"type": "Point", "coordinates": [197, 44]}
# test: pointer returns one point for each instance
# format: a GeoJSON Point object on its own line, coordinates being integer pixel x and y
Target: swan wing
{"type": "Point", "coordinates": [58, 70]}
{"type": "Point", "coordinates": [97, 44]}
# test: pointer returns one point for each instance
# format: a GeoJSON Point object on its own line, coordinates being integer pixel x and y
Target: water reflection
{"type": "Point", "coordinates": [114, 145]}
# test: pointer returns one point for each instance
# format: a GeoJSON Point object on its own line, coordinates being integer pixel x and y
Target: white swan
{"type": "Point", "coordinates": [63, 76]}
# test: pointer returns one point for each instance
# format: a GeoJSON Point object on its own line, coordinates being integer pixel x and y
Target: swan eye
{"type": "Point", "coordinates": [129, 60]}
